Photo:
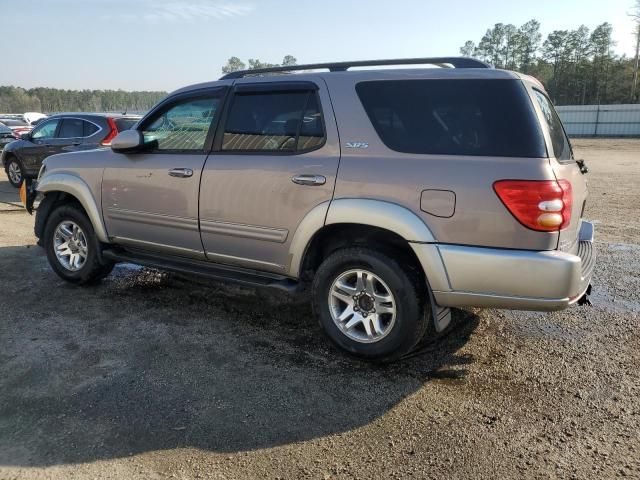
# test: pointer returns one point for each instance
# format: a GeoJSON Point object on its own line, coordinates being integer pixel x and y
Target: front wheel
{"type": "Point", "coordinates": [370, 304]}
{"type": "Point", "coordinates": [72, 246]}
{"type": "Point", "coordinates": [15, 172]}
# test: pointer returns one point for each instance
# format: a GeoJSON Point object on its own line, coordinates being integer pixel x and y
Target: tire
{"type": "Point", "coordinates": [15, 172]}
{"type": "Point", "coordinates": [58, 230]}
{"type": "Point", "coordinates": [398, 333]}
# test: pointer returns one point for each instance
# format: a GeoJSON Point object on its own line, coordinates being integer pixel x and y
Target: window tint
{"type": "Point", "coordinates": [561, 145]}
{"type": "Point", "coordinates": [46, 130]}
{"type": "Point", "coordinates": [125, 123]}
{"type": "Point", "coordinates": [71, 128]}
{"type": "Point", "coordinates": [182, 126]}
{"type": "Point", "coordinates": [454, 117]}
{"type": "Point", "coordinates": [90, 129]}
{"type": "Point", "coordinates": [282, 121]}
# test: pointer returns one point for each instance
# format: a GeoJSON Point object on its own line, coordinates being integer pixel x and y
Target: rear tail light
{"type": "Point", "coordinates": [112, 133]}
{"type": "Point", "coordinates": [543, 205]}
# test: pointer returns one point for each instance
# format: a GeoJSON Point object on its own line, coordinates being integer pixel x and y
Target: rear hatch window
{"type": "Point", "coordinates": [125, 123]}
{"type": "Point", "coordinates": [454, 117]}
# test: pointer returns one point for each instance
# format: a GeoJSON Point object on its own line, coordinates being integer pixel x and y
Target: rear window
{"type": "Point", "coordinates": [125, 123]}
{"type": "Point", "coordinates": [14, 123]}
{"type": "Point", "coordinates": [454, 117]}
{"type": "Point", "coordinates": [561, 145]}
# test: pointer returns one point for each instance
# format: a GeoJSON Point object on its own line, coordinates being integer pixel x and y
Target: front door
{"type": "Point", "coordinates": [275, 159]}
{"type": "Point", "coordinates": [150, 199]}
{"type": "Point", "coordinates": [40, 145]}
{"type": "Point", "coordinates": [69, 136]}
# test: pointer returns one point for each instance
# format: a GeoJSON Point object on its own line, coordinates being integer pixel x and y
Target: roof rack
{"type": "Point", "coordinates": [456, 62]}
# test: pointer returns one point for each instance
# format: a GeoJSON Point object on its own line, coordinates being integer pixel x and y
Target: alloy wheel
{"type": "Point", "coordinates": [362, 306]}
{"type": "Point", "coordinates": [70, 245]}
{"type": "Point", "coordinates": [15, 172]}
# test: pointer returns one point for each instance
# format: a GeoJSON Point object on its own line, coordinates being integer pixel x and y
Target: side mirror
{"type": "Point", "coordinates": [127, 141]}
{"type": "Point", "coordinates": [26, 137]}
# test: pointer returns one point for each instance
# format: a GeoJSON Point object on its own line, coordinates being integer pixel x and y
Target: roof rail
{"type": "Point", "coordinates": [456, 62]}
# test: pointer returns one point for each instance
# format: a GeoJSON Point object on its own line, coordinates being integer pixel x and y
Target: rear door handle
{"type": "Point", "coordinates": [309, 179]}
{"type": "Point", "coordinates": [181, 172]}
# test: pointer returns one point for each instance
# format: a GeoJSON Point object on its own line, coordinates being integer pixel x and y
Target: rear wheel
{"type": "Point", "coordinates": [15, 172]}
{"type": "Point", "coordinates": [370, 304]}
{"type": "Point", "coordinates": [72, 246]}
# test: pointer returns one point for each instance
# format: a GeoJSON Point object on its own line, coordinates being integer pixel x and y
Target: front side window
{"type": "Point", "coordinates": [561, 145]}
{"type": "Point", "coordinates": [274, 122]}
{"type": "Point", "coordinates": [71, 128]}
{"type": "Point", "coordinates": [45, 131]}
{"type": "Point", "coordinates": [454, 117]}
{"type": "Point", "coordinates": [183, 126]}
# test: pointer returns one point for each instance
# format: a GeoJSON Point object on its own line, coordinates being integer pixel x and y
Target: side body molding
{"type": "Point", "coordinates": [375, 213]}
{"type": "Point", "coordinates": [75, 186]}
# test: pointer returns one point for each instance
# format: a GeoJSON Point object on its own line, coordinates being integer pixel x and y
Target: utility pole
{"type": "Point", "coordinates": [636, 17]}
{"type": "Point", "coordinates": [634, 84]}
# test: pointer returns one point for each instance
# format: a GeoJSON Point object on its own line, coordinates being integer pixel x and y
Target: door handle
{"type": "Point", "coordinates": [309, 179]}
{"type": "Point", "coordinates": [181, 172]}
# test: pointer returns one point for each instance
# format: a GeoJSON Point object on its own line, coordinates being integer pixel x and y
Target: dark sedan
{"type": "Point", "coordinates": [60, 133]}
{"type": "Point", "coordinates": [6, 136]}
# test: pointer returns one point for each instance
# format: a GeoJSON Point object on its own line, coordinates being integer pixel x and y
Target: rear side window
{"type": "Point", "coordinates": [278, 121]}
{"type": "Point", "coordinates": [71, 128]}
{"type": "Point", "coordinates": [454, 117]}
{"type": "Point", "coordinates": [561, 145]}
{"type": "Point", "coordinates": [90, 129]}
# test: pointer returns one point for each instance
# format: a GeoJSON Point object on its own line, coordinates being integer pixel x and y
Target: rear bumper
{"type": "Point", "coordinates": [513, 279]}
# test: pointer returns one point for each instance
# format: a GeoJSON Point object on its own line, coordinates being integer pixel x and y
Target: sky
{"type": "Point", "coordinates": [166, 44]}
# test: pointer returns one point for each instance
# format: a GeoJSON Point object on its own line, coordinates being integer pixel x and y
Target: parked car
{"type": "Point", "coordinates": [17, 125]}
{"type": "Point", "coordinates": [389, 196]}
{"type": "Point", "coordinates": [6, 136]}
{"type": "Point", "coordinates": [32, 118]}
{"type": "Point", "coordinates": [60, 133]}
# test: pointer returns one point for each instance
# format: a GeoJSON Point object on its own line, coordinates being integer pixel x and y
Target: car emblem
{"type": "Point", "coordinates": [356, 145]}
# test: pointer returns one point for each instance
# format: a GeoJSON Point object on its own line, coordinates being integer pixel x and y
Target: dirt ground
{"type": "Point", "coordinates": [152, 376]}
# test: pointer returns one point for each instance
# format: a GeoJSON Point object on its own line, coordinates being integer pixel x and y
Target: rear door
{"type": "Point", "coordinates": [150, 198]}
{"type": "Point", "coordinates": [275, 159]}
{"type": "Point", "coordinates": [565, 168]}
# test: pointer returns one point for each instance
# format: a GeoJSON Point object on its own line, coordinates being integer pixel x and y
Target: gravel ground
{"type": "Point", "coordinates": [152, 376]}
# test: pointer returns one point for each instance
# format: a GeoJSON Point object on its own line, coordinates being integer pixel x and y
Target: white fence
{"type": "Point", "coordinates": [601, 120]}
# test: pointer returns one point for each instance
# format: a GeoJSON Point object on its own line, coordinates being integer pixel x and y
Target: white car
{"type": "Point", "coordinates": [31, 117]}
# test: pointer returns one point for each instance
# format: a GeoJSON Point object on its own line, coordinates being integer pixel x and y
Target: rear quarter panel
{"type": "Point", "coordinates": [479, 219]}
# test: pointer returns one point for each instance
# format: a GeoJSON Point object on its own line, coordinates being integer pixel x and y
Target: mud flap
{"type": "Point", "coordinates": [584, 299]}
{"type": "Point", "coordinates": [440, 316]}
{"type": "Point", "coordinates": [28, 194]}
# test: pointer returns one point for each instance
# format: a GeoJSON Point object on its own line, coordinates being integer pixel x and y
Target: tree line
{"type": "Point", "coordinates": [234, 64]}
{"type": "Point", "coordinates": [51, 100]}
{"type": "Point", "coordinates": [577, 67]}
